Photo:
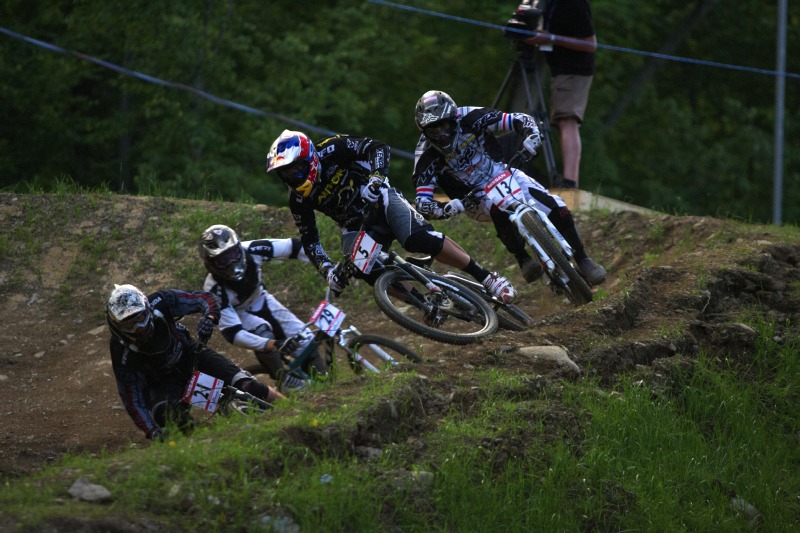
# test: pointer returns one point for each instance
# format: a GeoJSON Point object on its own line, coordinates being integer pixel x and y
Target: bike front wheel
{"type": "Point", "coordinates": [576, 288]}
{"type": "Point", "coordinates": [377, 354]}
{"type": "Point", "coordinates": [453, 314]}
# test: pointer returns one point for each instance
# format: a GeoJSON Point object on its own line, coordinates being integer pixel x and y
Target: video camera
{"type": "Point", "coordinates": [526, 18]}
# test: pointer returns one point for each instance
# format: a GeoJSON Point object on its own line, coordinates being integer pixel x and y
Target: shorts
{"type": "Point", "coordinates": [569, 95]}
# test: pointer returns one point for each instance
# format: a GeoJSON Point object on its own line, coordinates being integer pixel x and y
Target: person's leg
{"type": "Point", "coordinates": [417, 235]}
{"type": "Point", "coordinates": [570, 137]}
{"type": "Point", "coordinates": [569, 96]}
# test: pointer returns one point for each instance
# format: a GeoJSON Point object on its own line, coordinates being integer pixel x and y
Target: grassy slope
{"type": "Point", "coordinates": [664, 428]}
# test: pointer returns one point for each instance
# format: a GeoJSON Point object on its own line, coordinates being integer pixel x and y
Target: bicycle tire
{"type": "Point", "coordinates": [363, 346]}
{"type": "Point", "coordinates": [577, 290]}
{"type": "Point", "coordinates": [470, 320]}
{"type": "Point", "coordinates": [512, 318]}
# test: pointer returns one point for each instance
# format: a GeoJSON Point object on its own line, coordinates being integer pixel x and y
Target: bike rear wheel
{"type": "Point", "coordinates": [576, 288]}
{"type": "Point", "coordinates": [376, 354]}
{"type": "Point", "coordinates": [464, 320]}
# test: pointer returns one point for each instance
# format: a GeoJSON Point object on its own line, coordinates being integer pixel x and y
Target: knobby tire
{"type": "Point", "coordinates": [485, 322]}
{"type": "Point", "coordinates": [361, 345]}
{"type": "Point", "coordinates": [577, 290]}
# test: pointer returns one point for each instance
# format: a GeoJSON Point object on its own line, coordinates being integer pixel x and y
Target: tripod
{"type": "Point", "coordinates": [525, 68]}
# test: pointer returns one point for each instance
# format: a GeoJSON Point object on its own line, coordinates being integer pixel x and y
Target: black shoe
{"type": "Point", "coordinates": [531, 270]}
{"type": "Point", "coordinates": [594, 273]}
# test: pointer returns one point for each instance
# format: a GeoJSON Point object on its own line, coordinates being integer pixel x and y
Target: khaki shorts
{"type": "Point", "coordinates": [569, 95]}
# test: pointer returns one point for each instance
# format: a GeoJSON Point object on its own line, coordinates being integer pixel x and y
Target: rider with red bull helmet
{"type": "Point", "coordinates": [341, 177]}
{"type": "Point", "coordinates": [458, 152]}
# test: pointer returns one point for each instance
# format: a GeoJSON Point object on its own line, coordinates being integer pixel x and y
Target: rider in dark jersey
{"type": "Point", "coordinates": [343, 177]}
{"type": "Point", "coordinates": [153, 355]}
{"type": "Point", "coordinates": [457, 151]}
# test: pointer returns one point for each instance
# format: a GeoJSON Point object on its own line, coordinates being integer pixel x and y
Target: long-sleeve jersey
{"type": "Point", "coordinates": [346, 164]}
{"type": "Point", "coordinates": [168, 352]}
{"type": "Point", "coordinates": [248, 294]}
{"type": "Point", "coordinates": [476, 157]}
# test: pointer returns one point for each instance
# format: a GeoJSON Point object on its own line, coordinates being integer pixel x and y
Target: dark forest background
{"type": "Point", "coordinates": [677, 136]}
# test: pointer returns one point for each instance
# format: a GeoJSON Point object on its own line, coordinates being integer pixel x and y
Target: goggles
{"type": "Point", "coordinates": [443, 129]}
{"type": "Point", "coordinates": [227, 258]}
{"type": "Point", "coordinates": [295, 174]}
{"type": "Point", "coordinates": [135, 322]}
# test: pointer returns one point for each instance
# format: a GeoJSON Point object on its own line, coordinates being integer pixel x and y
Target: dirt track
{"type": "Point", "coordinates": [676, 285]}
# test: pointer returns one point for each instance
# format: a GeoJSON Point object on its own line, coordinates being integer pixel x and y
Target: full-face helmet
{"type": "Point", "coordinates": [129, 313]}
{"type": "Point", "coordinates": [435, 116]}
{"type": "Point", "coordinates": [222, 253]}
{"type": "Point", "coordinates": [293, 157]}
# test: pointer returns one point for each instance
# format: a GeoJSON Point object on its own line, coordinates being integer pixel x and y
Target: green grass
{"type": "Point", "coordinates": [494, 450]}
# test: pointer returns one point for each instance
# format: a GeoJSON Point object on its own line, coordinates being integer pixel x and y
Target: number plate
{"type": "Point", "coordinates": [328, 318]}
{"type": "Point", "coordinates": [502, 188]}
{"type": "Point", "coordinates": [203, 391]}
{"type": "Point", "coordinates": [365, 252]}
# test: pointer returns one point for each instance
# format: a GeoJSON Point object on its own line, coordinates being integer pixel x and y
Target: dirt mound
{"type": "Point", "coordinates": [676, 285]}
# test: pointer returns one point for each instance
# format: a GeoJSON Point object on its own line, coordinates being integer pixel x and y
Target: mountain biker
{"type": "Point", "coordinates": [251, 317]}
{"type": "Point", "coordinates": [341, 177]}
{"type": "Point", "coordinates": [153, 355]}
{"type": "Point", "coordinates": [457, 151]}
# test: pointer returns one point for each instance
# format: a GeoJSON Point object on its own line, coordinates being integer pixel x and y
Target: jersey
{"type": "Point", "coordinates": [570, 18]}
{"type": "Point", "coordinates": [476, 158]}
{"type": "Point", "coordinates": [345, 165]}
{"type": "Point", "coordinates": [137, 367]}
{"type": "Point", "coordinates": [246, 298]}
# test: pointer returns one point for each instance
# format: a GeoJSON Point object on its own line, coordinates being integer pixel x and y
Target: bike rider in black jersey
{"type": "Point", "coordinates": [251, 317]}
{"type": "Point", "coordinates": [340, 177]}
{"type": "Point", "coordinates": [457, 151]}
{"type": "Point", "coordinates": [153, 355]}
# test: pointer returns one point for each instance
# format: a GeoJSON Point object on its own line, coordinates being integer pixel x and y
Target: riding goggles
{"type": "Point", "coordinates": [136, 322]}
{"type": "Point", "coordinates": [295, 174]}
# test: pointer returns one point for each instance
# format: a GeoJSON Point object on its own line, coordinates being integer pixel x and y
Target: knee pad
{"type": "Point", "coordinates": [425, 242]}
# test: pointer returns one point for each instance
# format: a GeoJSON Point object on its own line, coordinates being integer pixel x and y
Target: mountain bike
{"type": "Point", "coordinates": [418, 298]}
{"type": "Point", "coordinates": [372, 353]}
{"type": "Point", "coordinates": [552, 250]}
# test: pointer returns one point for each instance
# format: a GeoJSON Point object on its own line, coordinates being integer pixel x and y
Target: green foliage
{"type": "Point", "coordinates": [690, 138]}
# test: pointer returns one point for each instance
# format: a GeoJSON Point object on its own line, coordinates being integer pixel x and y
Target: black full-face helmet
{"type": "Point", "coordinates": [222, 253]}
{"type": "Point", "coordinates": [129, 314]}
{"type": "Point", "coordinates": [435, 116]}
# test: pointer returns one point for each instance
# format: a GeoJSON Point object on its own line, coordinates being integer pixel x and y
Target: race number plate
{"type": "Point", "coordinates": [203, 391]}
{"type": "Point", "coordinates": [365, 252]}
{"type": "Point", "coordinates": [328, 318]}
{"type": "Point", "coordinates": [502, 188]}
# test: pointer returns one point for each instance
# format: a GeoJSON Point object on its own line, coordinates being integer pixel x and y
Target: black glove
{"type": "Point", "coordinates": [290, 345]}
{"type": "Point", "coordinates": [205, 328]}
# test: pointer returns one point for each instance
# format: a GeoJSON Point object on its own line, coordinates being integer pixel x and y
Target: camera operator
{"type": "Point", "coordinates": [572, 66]}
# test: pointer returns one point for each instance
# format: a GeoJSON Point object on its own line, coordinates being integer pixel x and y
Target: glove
{"type": "Point", "coordinates": [372, 190]}
{"type": "Point", "coordinates": [532, 142]}
{"type": "Point", "coordinates": [205, 328]}
{"type": "Point", "coordinates": [290, 345]}
{"type": "Point", "coordinates": [336, 281]}
{"type": "Point", "coordinates": [453, 207]}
